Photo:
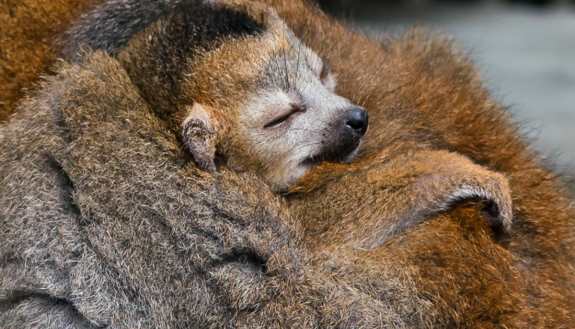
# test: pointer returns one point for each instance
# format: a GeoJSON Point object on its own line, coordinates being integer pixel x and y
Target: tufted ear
{"type": "Point", "coordinates": [200, 137]}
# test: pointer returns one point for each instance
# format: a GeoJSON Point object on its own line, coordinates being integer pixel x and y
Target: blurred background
{"type": "Point", "coordinates": [526, 49]}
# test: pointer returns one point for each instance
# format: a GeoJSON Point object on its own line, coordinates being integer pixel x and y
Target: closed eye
{"type": "Point", "coordinates": [283, 117]}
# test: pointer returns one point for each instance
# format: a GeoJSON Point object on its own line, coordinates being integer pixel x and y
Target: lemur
{"type": "Point", "coordinates": [238, 83]}
{"type": "Point", "coordinates": [233, 78]}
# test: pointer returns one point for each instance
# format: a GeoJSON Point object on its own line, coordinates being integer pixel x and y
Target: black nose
{"type": "Point", "coordinates": [357, 120]}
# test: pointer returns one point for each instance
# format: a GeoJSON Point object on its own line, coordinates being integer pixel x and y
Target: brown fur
{"type": "Point", "coordinates": [420, 90]}
{"type": "Point", "coordinates": [122, 229]}
{"type": "Point", "coordinates": [421, 185]}
{"type": "Point", "coordinates": [27, 31]}
{"type": "Point", "coordinates": [445, 272]}
{"type": "Point", "coordinates": [102, 210]}
{"type": "Point", "coordinates": [391, 197]}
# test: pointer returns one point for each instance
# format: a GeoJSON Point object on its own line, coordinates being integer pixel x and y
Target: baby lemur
{"type": "Point", "coordinates": [234, 78]}
{"type": "Point", "coordinates": [241, 84]}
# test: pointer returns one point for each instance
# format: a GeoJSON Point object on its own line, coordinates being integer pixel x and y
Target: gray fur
{"type": "Point", "coordinates": [110, 26]}
{"type": "Point", "coordinates": [42, 312]}
{"type": "Point", "coordinates": [105, 222]}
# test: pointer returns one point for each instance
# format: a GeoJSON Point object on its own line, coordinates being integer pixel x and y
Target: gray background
{"type": "Point", "coordinates": [527, 56]}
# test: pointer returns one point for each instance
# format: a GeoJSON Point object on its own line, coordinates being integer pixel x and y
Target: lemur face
{"type": "Point", "coordinates": [295, 120]}
{"type": "Point", "coordinates": [276, 99]}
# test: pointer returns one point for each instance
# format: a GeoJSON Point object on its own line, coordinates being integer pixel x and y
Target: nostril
{"type": "Point", "coordinates": [491, 210]}
{"type": "Point", "coordinates": [492, 213]}
{"type": "Point", "coordinates": [357, 120]}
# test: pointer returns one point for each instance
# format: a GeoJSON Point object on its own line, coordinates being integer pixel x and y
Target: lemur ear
{"type": "Point", "coordinates": [200, 137]}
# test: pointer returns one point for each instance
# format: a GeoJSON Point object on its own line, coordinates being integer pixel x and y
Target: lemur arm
{"type": "Point", "coordinates": [434, 182]}
{"type": "Point", "coordinates": [368, 206]}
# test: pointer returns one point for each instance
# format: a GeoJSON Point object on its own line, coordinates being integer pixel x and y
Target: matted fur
{"type": "Point", "coordinates": [163, 226]}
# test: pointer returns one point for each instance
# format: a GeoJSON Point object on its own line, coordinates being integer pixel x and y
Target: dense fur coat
{"type": "Point", "coordinates": [446, 272]}
{"type": "Point", "coordinates": [119, 230]}
{"type": "Point", "coordinates": [419, 89]}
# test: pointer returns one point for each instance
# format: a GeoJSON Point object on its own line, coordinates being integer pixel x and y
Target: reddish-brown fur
{"type": "Point", "coordinates": [419, 90]}
{"type": "Point", "coordinates": [27, 31]}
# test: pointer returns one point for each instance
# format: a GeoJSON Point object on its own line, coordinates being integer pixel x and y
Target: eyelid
{"type": "Point", "coordinates": [281, 118]}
